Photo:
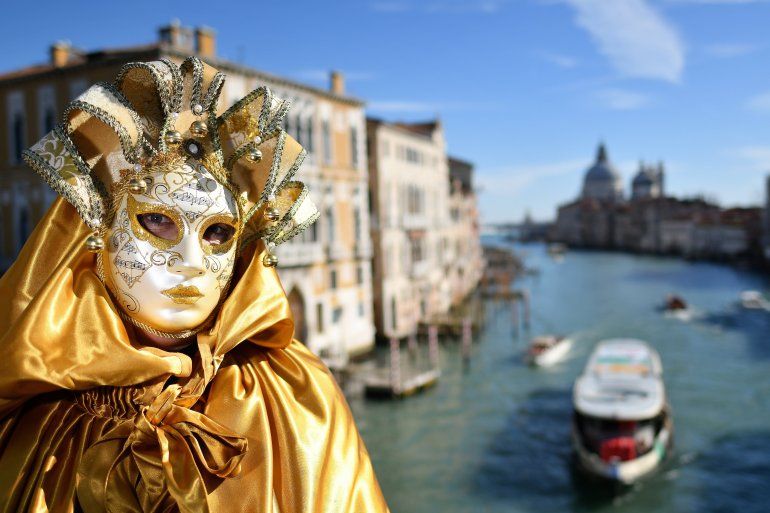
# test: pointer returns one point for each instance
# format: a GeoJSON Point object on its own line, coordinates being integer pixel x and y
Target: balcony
{"type": "Point", "coordinates": [299, 253]}
{"type": "Point", "coordinates": [414, 221]}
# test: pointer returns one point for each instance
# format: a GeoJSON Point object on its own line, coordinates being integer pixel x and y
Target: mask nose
{"type": "Point", "coordinates": [191, 264]}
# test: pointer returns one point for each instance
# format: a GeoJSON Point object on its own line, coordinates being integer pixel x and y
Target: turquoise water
{"type": "Point", "coordinates": [495, 437]}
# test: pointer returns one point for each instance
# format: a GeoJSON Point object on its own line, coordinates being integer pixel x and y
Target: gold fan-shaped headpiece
{"type": "Point", "coordinates": [158, 112]}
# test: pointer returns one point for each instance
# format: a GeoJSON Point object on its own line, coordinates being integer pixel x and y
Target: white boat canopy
{"type": "Point", "coordinates": [621, 381]}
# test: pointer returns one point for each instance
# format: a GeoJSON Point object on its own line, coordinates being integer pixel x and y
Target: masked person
{"type": "Point", "coordinates": [147, 361]}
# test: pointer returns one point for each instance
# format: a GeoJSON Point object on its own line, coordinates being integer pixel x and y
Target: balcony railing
{"type": "Point", "coordinates": [299, 253]}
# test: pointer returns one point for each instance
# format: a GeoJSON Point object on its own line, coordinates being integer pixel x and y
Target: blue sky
{"type": "Point", "coordinates": [525, 88]}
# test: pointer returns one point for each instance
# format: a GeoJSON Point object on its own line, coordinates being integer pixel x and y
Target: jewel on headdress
{"type": "Point", "coordinates": [269, 260]}
{"type": "Point", "coordinates": [199, 129]}
{"type": "Point", "coordinates": [173, 138]}
{"type": "Point", "coordinates": [137, 185]}
{"type": "Point", "coordinates": [137, 167]}
{"type": "Point", "coordinates": [254, 155]}
{"type": "Point", "coordinates": [94, 243]}
{"type": "Point", "coordinates": [193, 148]}
{"type": "Point", "coordinates": [197, 109]}
{"type": "Point", "coordinates": [272, 214]}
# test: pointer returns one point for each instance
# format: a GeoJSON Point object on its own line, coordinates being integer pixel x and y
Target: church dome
{"type": "Point", "coordinates": [643, 177]}
{"type": "Point", "coordinates": [602, 180]}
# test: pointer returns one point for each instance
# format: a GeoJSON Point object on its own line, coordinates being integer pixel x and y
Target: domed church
{"type": "Point", "coordinates": [602, 180]}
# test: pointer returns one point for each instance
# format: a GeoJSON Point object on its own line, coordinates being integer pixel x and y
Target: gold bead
{"type": "Point", "coordinates": [255, 155]}
{"type": "Point", "coordinates": [270, 260]}
{"type": "Point", "coordinates": [94, 243]}
{"type": "Point", "coordinates": [199, 129]}
{"type": "Point", "coordinates": [272, 214]}
{"type": "Point", "coordinates": [137, 185]}
{"type": "Point", "coordinates": [173, 138]}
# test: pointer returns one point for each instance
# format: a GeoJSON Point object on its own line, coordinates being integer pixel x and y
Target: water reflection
{"type": "Point", "coordinates": [735, 474]}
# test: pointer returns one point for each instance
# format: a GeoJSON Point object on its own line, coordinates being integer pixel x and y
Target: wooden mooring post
{"type": "Point", "coordinates": [395, 365]}
{"type": "Point", "coordinates": [515, 321]}
{"type": "Point", "coordinates": [527, 309]}
{"type": "Point", "coordinates": [467, 341]}
{"type": "Point", "coordinates": [433, 346]}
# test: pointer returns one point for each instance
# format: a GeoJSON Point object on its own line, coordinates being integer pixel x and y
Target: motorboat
{"type": "Point", "coordinates": [754, 300]}
{"type": "Point", "coordinates": [557, 249]}
{"type": "Point", "coordinates": [547, 350]}
{"type": "Point", "coordinates": [622, 428]}
{"type": "Point", "coordinates": [675, 303]}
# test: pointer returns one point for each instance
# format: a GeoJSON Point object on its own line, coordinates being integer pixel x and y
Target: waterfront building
{"type": "Point", "coordinates": [650, 221]}
{"type": "Point", "coordinates": [462, 255]}
{"type": "Point", "coordinates": [326, 271]}
{"type": "Point", "coordinates": [409, 189]}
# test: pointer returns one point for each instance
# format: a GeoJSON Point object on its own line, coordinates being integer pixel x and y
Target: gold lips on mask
{"type": "Point", "coordinates": [183, 294]}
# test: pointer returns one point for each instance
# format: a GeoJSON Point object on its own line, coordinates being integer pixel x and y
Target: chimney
{"type": "Point", "coordinates": [60, 53]}
{"type": "Point", "coordinates": [337, 83]}
{"type": "Point", "coordinates": [176, 36]}
{"type": "Point", "coordinates": [206, 42]}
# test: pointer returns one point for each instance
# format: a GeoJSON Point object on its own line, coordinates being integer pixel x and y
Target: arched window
{"type": "Point", "coordinates": [49, 121]}
{"type": "Point", "coordinates": [330, 224]}
{"type": "Point", "coordinates": [18, 136]}
{"type": "Point", "coordinates": [23, 227]}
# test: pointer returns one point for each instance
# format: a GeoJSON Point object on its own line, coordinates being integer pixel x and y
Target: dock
{"type": "Point", "coordinates": [396, 380]}
{"type": "Point", "coordinates": [380, 384]}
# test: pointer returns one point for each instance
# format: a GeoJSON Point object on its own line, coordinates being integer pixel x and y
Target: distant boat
{"type": "Point", "coordinates": [547, 350]}
{"type": "Point", "coordinates": [675, 302]}
{"type": "Point", "coordinates": [754, 300]}
{"type": "Point", "coordinates": [557, 248]}
{"type": "Point", "coordinates": [622, 428]}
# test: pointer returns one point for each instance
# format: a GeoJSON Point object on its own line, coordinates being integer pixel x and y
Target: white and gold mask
{"type": "Point", "coordinates": [171, 249]}
{"type": "Point", "coordinates": [173, 188]}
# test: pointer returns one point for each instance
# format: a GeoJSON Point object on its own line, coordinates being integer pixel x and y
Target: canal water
{"type": "Point", "coordinates": [494, 437]}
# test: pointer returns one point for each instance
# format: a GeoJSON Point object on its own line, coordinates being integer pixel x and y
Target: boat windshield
{"type": "Point", "coordinates": [618, 440]}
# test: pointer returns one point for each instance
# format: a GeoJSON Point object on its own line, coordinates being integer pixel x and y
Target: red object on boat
{"type": "Point", "coordinates": [622, 448]}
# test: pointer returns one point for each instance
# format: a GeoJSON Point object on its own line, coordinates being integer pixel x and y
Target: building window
{"type": "Point", "coordinates": [49, 121]}
{"type": "Point", "coordinates": [356, 225]}
{"type": "Point", "coordinates": [333, 279]}
{"type": "Point", "coordinates": [393, 312]}
{"type": "Point", "coordinates": [331, 236]}
{"type": "Point", "coordinates": [337, 315]}
{"type": "Point", "coordinates": [319, 309]}
{"type": "Point", "coordinates": [309, 141]}
{"type": "Point", "coordinates": [361, 310]}
{"type": "Point", "coordinates": [354, 147]}
{"type": "Point", "coordinates": [326, 135]}
{"type": "Point", "coordinates": [23, 226]}
{"type": "Point", "coordinates": [18, 137]}
{"type": "Point", "coordinates": [360, 275]}
{"type": "Point", "coordinates": [416, 248]}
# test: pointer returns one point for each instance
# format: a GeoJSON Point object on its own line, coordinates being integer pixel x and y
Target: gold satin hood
{"type": "Point", "coordinates": [93, 421]}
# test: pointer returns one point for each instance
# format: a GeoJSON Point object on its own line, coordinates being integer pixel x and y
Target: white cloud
{"type": "Point", "coordinates": [511, 180]}
{"type": "Point", "coordinates": [727, 50]}
{"type": "Point", "coordinates": [416, 107]}
{"type": "Point", "coordinates": [756, 157]}
{"type": "Point", "coordinates": [717, 2]}
{"type": "Point", "coordinates": [637, 40]}
{"type": "Point", "coordinates": [759, 102]}
{"type": "Point", "coordinates": [322, 75]}
{"type": "Point", "coordinates": [563, 61]}
{"type": "Point", "coordinates": [621, 99]}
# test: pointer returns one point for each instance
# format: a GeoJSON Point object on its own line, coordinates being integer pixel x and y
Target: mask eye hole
{"type": "Point", "coordinates": [159, 225]}
{"type": "Point", "coordinates": [218, 233]}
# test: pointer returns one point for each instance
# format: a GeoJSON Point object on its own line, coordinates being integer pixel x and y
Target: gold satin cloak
{"type": "Point", "coordinates": [92, 422]}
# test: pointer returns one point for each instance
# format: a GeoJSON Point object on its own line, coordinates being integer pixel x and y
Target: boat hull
{"type": "Point", "coordinates": [623, 472]}
{"type": "Point", "coordinates": [553, 355]}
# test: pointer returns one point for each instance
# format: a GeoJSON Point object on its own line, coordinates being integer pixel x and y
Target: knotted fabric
{"type": "Point", "coordinates": [169, 448]}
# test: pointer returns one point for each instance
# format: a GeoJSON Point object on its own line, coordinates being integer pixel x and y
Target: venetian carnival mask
{"type": "Point", "coordinates": [171, 247]}
{"type": "Point", "coordinates": [173, 190]}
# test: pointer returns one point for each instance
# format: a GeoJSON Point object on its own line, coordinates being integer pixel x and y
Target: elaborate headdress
{"type": "Point", "coordinates": [158, 113]}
